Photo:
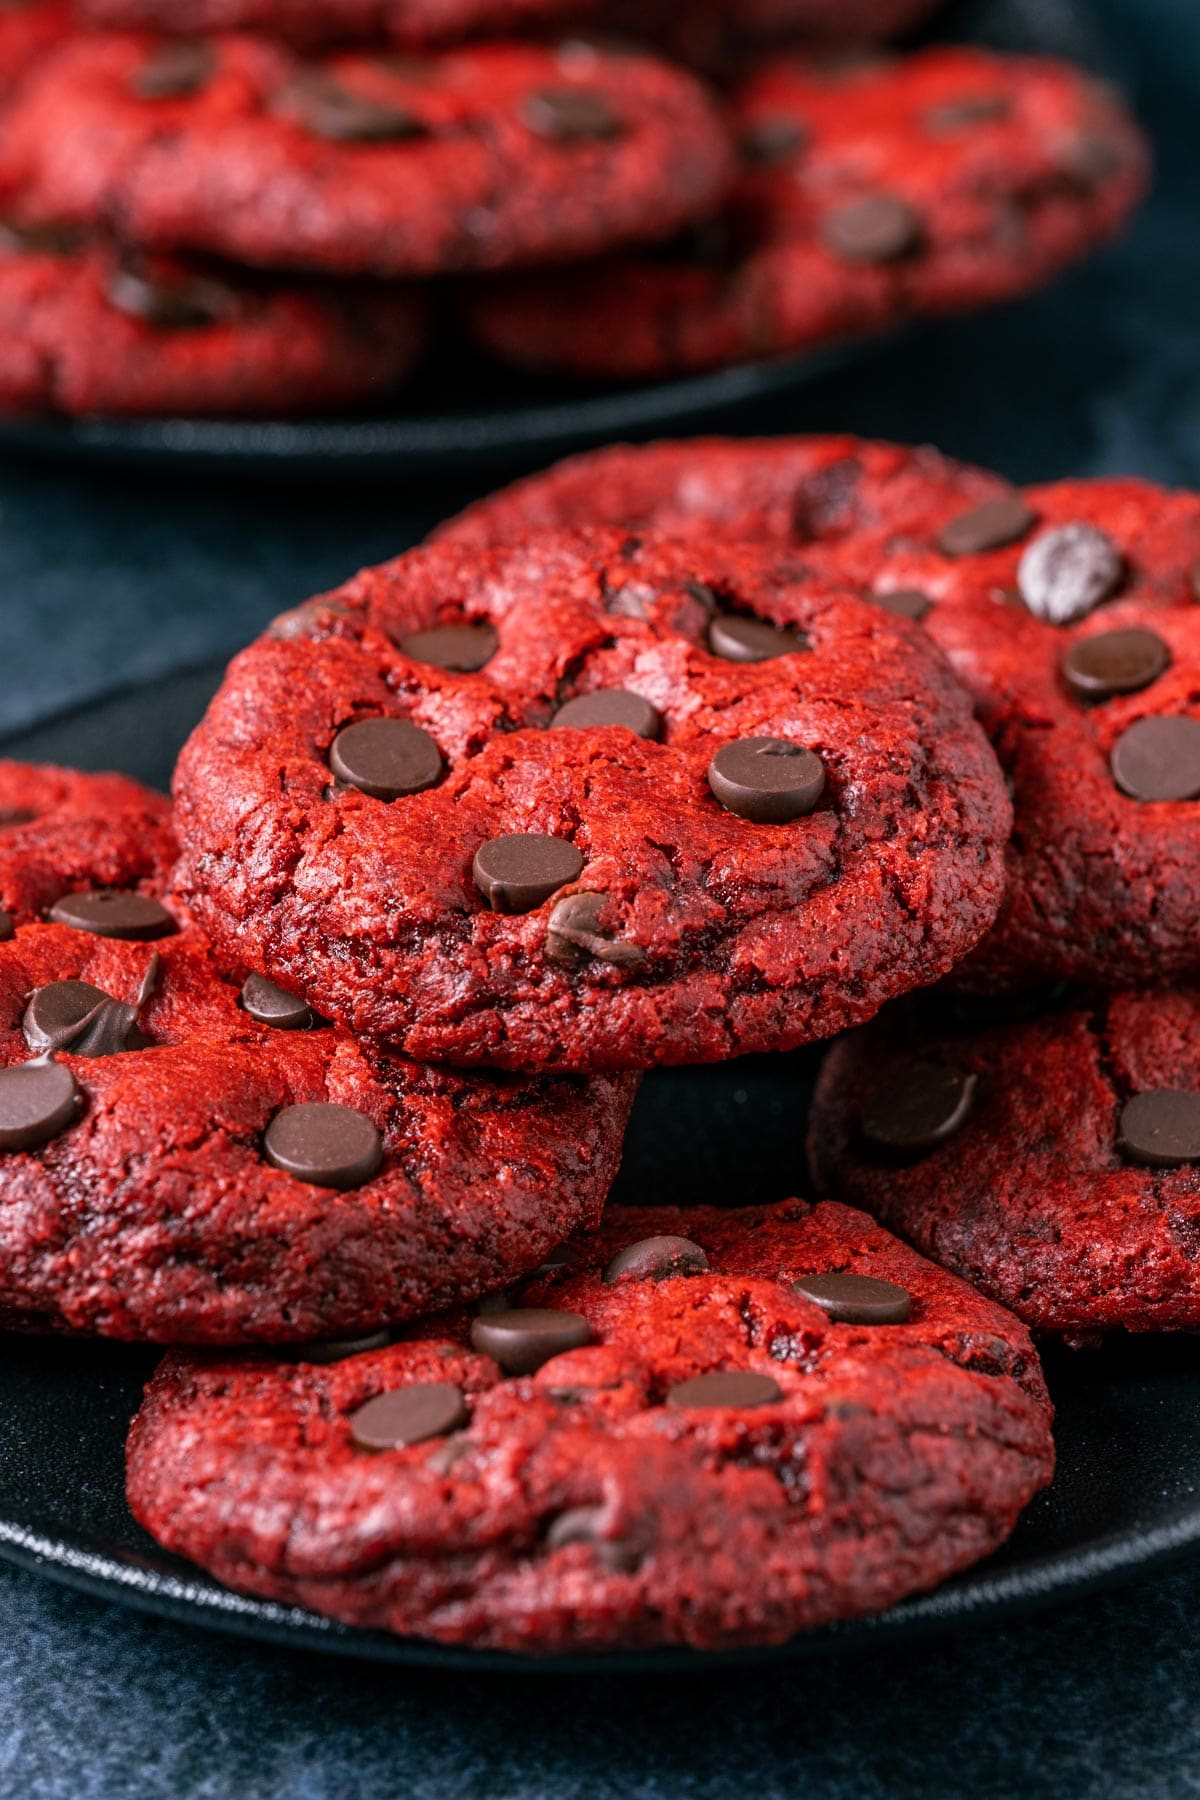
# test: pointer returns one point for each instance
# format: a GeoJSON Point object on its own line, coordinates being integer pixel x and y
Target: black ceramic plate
{"type": "Point", "coordinates": [464, 414]}
{"type": "Point", "coordinates": [1127, 1494]}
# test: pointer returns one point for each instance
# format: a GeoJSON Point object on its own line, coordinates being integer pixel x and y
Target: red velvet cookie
{"type": "Point", "coordinates": [184, 1159]}
{"type": "Point", "coordinates": [61, 830]}
{"type": "Point", "coordinates": [1055, 1162]}
{"type": "Point", "coordinates": [714, 1428]}
{"type": "Point", "coordinates": [480, 158]}
{"type": "Point", "coordinates": [941, 182]}
{"type": "Point", "coordinates": [592, 802]}
{"type": "Point", "coordinates": [410, 22]}
{"type": "Point", "coordinates": [84, 329]}
{"type": "Point", "coordinates": [28, 29]}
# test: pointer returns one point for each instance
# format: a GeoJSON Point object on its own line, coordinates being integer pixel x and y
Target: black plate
{"type": "Point", "coordinates": [468, 414]}
{"type": "Point", "coordinates": [1127, 1494]}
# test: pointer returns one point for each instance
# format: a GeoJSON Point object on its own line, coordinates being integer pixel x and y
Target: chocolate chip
{"type": "Point", "coordinates": [328, 1145]}
{"type": "Point", "coordinates": [271, 1005]}
{"type": "Point", "coordinates": [952, 116]}
{"type": "Point", "coordinates": [773, 140]}
{"type": "Point", "coordinates": [1093, 157]}
{"type": "Point", "coordinates": [7, 928]}
{"type": "Point", "coordinates": [173, 72]}
{"type": "Point", "coordinates": [766, 780]}
{"type": "Point", "coordinates": [1158, 759]}
{"type": "Point", "coordinates": [573, 934]}
{"type": "Point", "coordinates": [731, 1387]}
{"type": "Point", "coordinates": [990, 526]}
{"type": "Point", "coordinates": [739, 639]}
{"type": "Point", "coordinates": [39, 240]}
{"type": "Point", "coordinates": [386, 758]}
{"type": "Point", "coordinates": [879, 228]}
{"type": "Point", "coordinates": [566, 1256]}
{"type": "Point", "coordinates": [75, 1016]}
{"type": "Point", "coordinates": [112, 913]}
{"type": "Point", "coordinates": [170, 303]}
{"type": "Point", "coordinates": [335, 1350]}
{"type": "Point", "coordinates": [11, 816]}
{"type": "Point", "coordinates": [582, 1525]}
{"type": "Point", "coordinates": [528, 1336]}
{"type": "Point", "coordinates": [1161, 1128]}
{"type": "Point", "coordinates": [610, 706]}
{"type": "Point", "coordinates": [906, 603]}
{"type": "Point", "coordinates": [919, 1110]}
{"type": "Point", "coordinates": [1066, 573]}
{"type": "Point", "coordinates": [461, 648]}
{"type": "Point", "coordinates": [327, 109]}
{"type": "Point", "coordinates": [571, 115]}
{"type": "Point", "coordinates": [654, 1259]}
{"type": "Point", "coordinates": [1115, 662]}
{"type": "Point", "coordinates": [408, 1415]}
{"type": "Point", "coordinates": [452, 1450]}
{"type": "Point", "coordinates": [856, 1299]}
{"type": "Point", "coordinates": [517, 873]}
{"type": "Point", "coordinates": [37, 1101]}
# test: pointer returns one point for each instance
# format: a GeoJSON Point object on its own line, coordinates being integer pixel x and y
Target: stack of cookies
{"type": "Point", "coordinates": [264, 207]}
{"type": "Point", "coordinates": [663, 757]}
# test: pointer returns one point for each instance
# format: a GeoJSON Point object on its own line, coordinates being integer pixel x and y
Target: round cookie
{"type": "Point", "coordinates": [184, 1159]}
{"type": "Point", "coordinates": [1054, 1162]}
{"type": "Point", "coordinates": [62, 830]}
{"type": "Point", "coordinates": [416, 23]}
{"type": "Point", "coordinates": [593, 895]}
{"type": "Point", "coordinates": [721, 1459]}
{"type": "Point", "coordinates": [869, 194]}
{"type": "Point", "coordinates": [87, 330]}
{"type": "Point", "coordinates": [484, 157]}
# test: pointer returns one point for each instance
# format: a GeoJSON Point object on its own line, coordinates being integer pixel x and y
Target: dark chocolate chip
{"type": "Point", "coordinates": [739, 639]}
{"type": "Point", "coordinates": [307, 619]}
{"type": "Point", "coordinates": [271, 1005]}
{"type": "Point", "coordinates": [1093, 157]}
{"type": "Point", "coordinates": [386, 758]}
{"type": "Point", "coordinates": [37, 1101]}
{"type": "Point", "coordinates": [581, 1525]}
{"type": "Point", "coordinates": [328, 1145]}
{"type": "Point", "coordinates": [906, 603]}
{"type": "Point", "coordinates": [450, 1451]}
{"type": "Point", "coordinates": [335, 1350]}
{"type": "Point", "coordinates": [170, 303]}
{"type": "Point", "coordinates": [571, 115]}
{"type": "Point", "coordinates": [566, 1256]}
{"type": "Point", "coordinates": [573, 934]}
{"type": "Point", "coordinates": [857, 1299]}
{"type": "Point", "coordinates": [1159, 759]}
{"type": "Point", "coordinates": [1162, 1128]}
{"type": "Point", "coordinates": [919, 1110]}
{"type": "Point", "coordinates": [773, 140]}
{"type": "Point", "coordinates": [462, 648]}
{"type": "Point", "coordinates": [990, 526]}
{"type": "Point", "coordinates": [327, 109]}
{"type": "Point", "coordinates": [1066, 573]}
{"type": "Point", "coordinates": [730, 1387]}
{"type": "Point", "coordinates": [949, 117]}
{"type": "Point", "coordinates": [879, 228]}
{"type": "Point", "coordinates": [610, 706]}
{"type": "Point", "coordinates": [75, 1016]}
{"type": "Point", "coordinates": [113, 913]}
{"type": "Point", "coordinates": [766, 780]}
{"type": "Point", "coordinates": [173, 72]}
{"type": "Point", "coordinates": [525, 1338]}
{"type": "Point", "coordinates": [1114, 662]}
{"type": "Point", "coordinates": [12, 816]}
{"type": "Point", "coordinates": [39, 240]}
{"type": "Point", "coordinates": [654, 1259]}
{"type": "Point", "coordinates": [7, 928]}
{"type": "Point", "coordinates": [409, 1415]}
{"type": "Point", "coordinates": [517, 873]}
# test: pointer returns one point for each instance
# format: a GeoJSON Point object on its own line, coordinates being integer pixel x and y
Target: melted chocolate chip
{"type": "Point", "coordinates": [462, 648]}
{"type": "Point", "coordinates": [1162, 1128]}
{"type": "Point", "coordinates": [730, 1387]}
{"type": "Point", "coordinates": [573, 935]}
{"type": "Point", "coordinates": [582, 1525]}
{"type": "Point", "coordinates": [1158, 759]}
{"type": "Point", "coordinates": [386, 758]}
{"type": "Point", "coordinates": [1114, 662]}
{"type": "Point", "coordinates": [82, 1019]}
{"type": "Point", "coordinates": [1066, 573]}
{"type": "Point", "coordinates": [526, 1337]}
{"type": "Point", "coordinates": [517, 873]}
{"type": "Point", "coordinates": [37, 1101]}
{"type": "Point", "coordinates": [879, 228]}
{"type": "Point", "coordinates": [766, 780]}
{"type": "Point", "coordinates": [170, 303]}
{"type": "Point", "coordinates": [271, 1005]}
{"type": "Point", "coordinates": [736, 638]}
{"type": "Point", "coordinates": [919, 1110]}
{"type": "Point", "coordinates": [409, 1415]}
{"type": "Point", "coordinates": [173, 72]}
{"type": "Point", "coordinates": [323, 106]}
{"type": "Point", "coordinates": [857, 1299]}
{"type": "Point", "coordinates": [112, 913]}
{"type": "Point", "coordinates": [325, 1144]}
{"type": "Point", "coordinates": [571, 115]}
{"type": "Point", "coordinates": [609, 706]}
{"type": "Point", "coordinates": [991, 526]}
{"type": "Point", "coordinates": [906, 603]}
{"type": "Point", "coordinates": [656, 1258]}
{"type": "Point", "coordinates": [335, 1350]}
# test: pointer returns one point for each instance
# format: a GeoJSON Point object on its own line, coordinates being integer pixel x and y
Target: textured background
{"type": "Point", "coordinates": [112, 581]}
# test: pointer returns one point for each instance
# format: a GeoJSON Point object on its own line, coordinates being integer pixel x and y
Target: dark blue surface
{"type": "Point", "coordinates": [109, 582]}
